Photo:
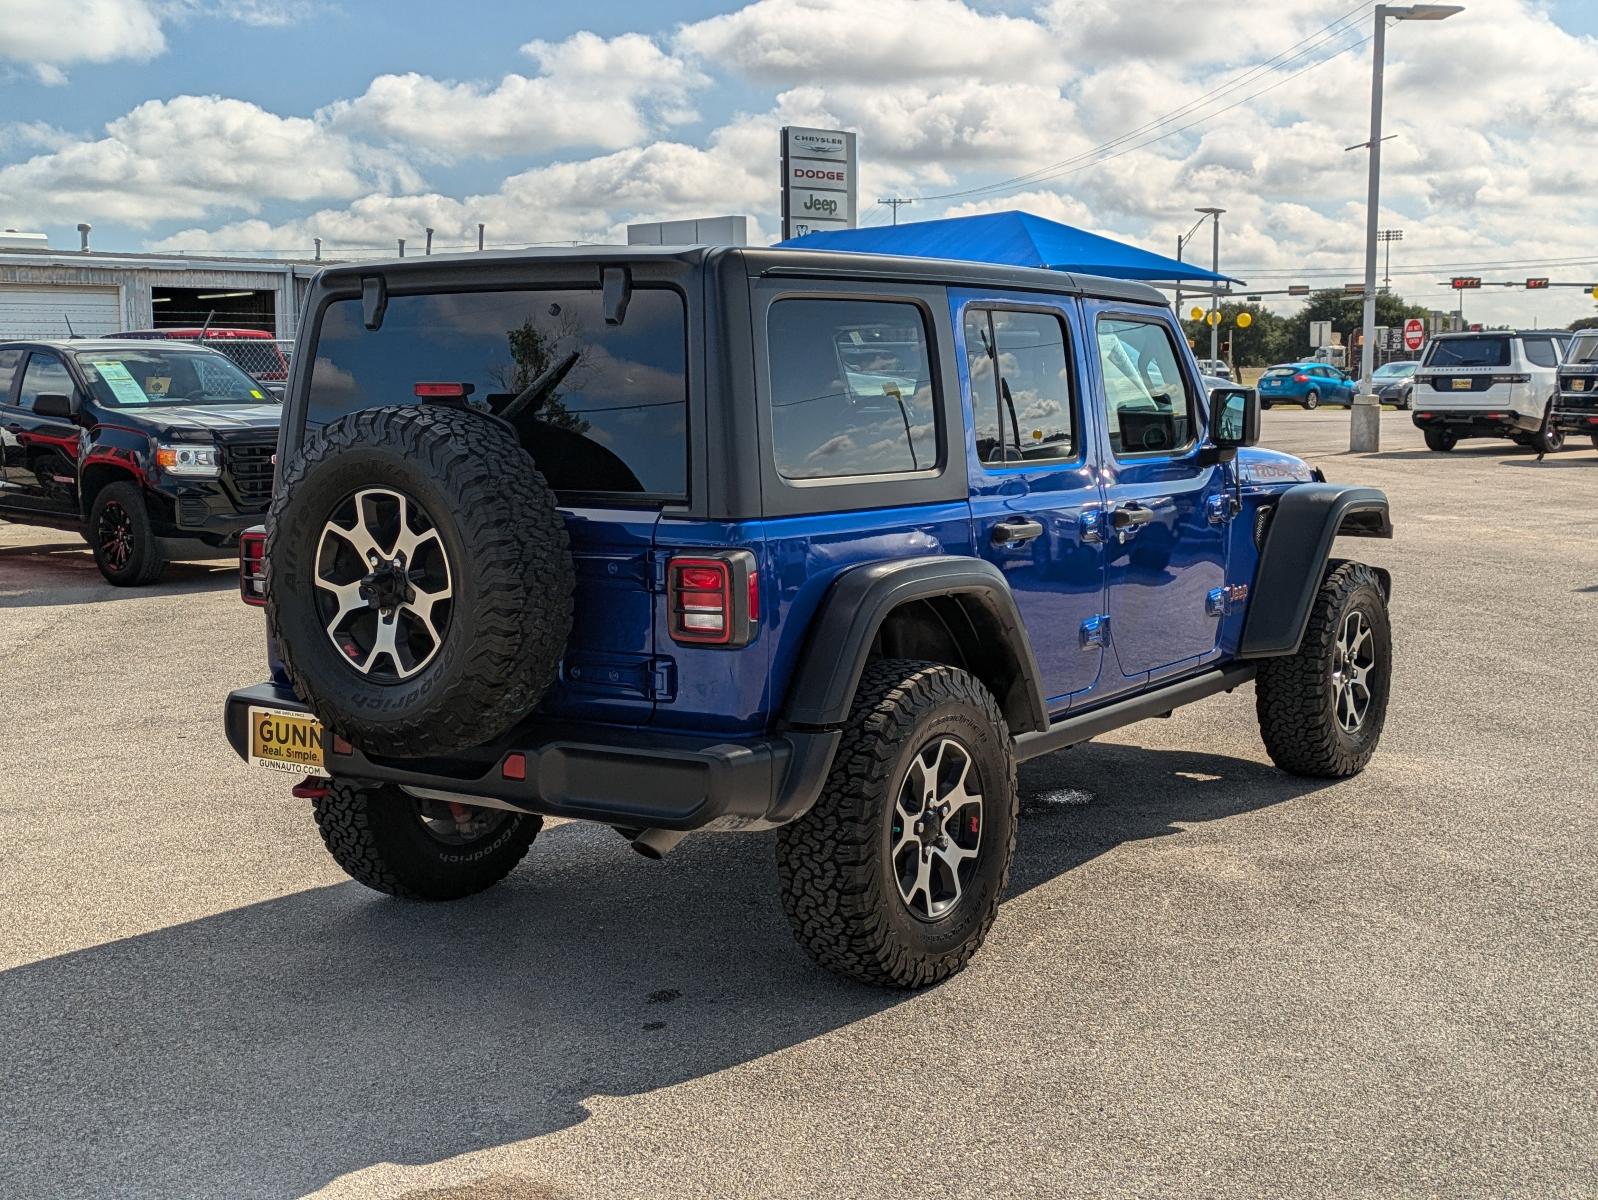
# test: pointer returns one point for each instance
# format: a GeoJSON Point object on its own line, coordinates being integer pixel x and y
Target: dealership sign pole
{"type": "Point", "coordinates": [820, 180]}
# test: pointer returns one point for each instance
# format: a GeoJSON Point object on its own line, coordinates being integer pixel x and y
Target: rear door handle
{"type": "Point", "coordinates": [1131, 514]}
{"type": "Point", "coordinates": [1015, 532]}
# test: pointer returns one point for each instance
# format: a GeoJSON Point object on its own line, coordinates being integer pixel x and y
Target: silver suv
{"type": "Point", "coordinates": [1496, 383]}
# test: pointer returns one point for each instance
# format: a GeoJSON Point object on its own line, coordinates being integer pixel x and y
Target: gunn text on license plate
{"type": "Point", "coordinates": [281, 740]}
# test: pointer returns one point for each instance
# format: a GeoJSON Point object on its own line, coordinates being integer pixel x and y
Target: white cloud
{"type": "Point", "coordinates": [591, 91]}
{"type": "Point", "coordinates": [47, 35]}
{"type": "Point", "coordinates": [190, 157]}
{"type": "Point", "coordinates": [883, 42]}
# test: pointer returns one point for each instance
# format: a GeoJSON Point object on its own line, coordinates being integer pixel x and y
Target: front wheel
{"type": "Point", "coordinates": [1441, 440]}
{"type": "Point", "coordinates": [1406, 400]}
{"type": "Point", "coordinates": [894, 877]}
{"type": "Point", "coordinates": [1321, 711]}
{"type": "Point", "coordinates": [420, 849]}
{"type": "Point", "coordinates": [1595, 441]}
{"type": "Point", "coordinates": [119, 531]}
{"type": "Point", "coordinates": [1312, 399]}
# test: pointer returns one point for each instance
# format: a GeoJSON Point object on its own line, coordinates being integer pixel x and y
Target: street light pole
{"type": "Point", "coordinates": [1365, 414]}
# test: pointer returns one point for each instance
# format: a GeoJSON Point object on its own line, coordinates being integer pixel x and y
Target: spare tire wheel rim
{"type": "Point", "coordinates": [935, 830]}
{"type": "Point", "coordinates": [383, 584]}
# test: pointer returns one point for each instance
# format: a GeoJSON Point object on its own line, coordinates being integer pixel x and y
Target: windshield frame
{"type": "Point", "coordinates": [105, 394]}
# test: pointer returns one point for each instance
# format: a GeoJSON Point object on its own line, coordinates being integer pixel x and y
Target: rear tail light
{"type": "Point", "coordinates": [713, 599]}
{"type": "Point", "coordinates": [1301, 379]}
{"type": "Point", "coordinates": [252, 566]}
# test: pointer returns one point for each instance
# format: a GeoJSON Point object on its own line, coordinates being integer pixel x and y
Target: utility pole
{"type": "Point", "coordinates": [1365, 414]}
{"type": "Point", "coordinates": [1215, 287]}
{"type": "Point", "coordinates": [894, 202]}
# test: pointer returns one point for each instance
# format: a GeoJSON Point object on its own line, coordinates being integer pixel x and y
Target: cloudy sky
{"type": "Point", "coordinates": [252, 126]}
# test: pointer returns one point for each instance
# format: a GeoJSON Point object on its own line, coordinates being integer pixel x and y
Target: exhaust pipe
{"type": "Point", "coordinates": [657, 843]}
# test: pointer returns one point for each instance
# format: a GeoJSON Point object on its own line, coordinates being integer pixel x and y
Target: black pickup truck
{"type": "Point", "coordinates": [151, 452]}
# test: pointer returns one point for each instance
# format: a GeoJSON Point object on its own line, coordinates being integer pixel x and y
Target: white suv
{"type": "Point", "coordinates": [1497, 383]}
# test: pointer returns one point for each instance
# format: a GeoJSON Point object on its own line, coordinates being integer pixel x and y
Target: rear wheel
{"type": "Point", "coordinates": [1441, 439]}
{"type": "Point", "coordinates": [119, 531]}
{"type": "Point", "coordinates": [1321, 710]}
{"type": "Point", "coordinates": [1549, 439]}
{"type": "Point", "coordinates": [894, 877]}
{"type": "Point", "coordinates": [1595, 441]}
{"type": "Point", "coordinates": [1312, 399]}
{"type": "Point", "coordinates": [420, 849]}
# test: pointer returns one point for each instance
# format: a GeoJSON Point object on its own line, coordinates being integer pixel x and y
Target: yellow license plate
{"type": "Point", "coordinates": [1462, 385]}
{"type": "Point", "coordinates": [285, 741]}
{"type": "Point", "coordinates": [1578, 385]}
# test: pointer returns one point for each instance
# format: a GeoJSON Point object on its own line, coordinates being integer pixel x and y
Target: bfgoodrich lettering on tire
{"type": "Point", "coordinates": [894, 877]}
{"type": "Point", "coordinates": [1321, 711]}
{"type": "Point", "coordinates": [420, 849]}
{"type": "Point", "coordinates": [421, 582]}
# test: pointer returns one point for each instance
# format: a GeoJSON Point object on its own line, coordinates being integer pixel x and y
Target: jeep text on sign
{"type": "Point", "coordinates": [818, 180]}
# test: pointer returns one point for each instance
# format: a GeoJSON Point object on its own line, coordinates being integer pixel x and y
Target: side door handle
{"type": "Point", "coordinates": [1129, 515]}
{"type": "Point", "coordinates": [1015, 532]}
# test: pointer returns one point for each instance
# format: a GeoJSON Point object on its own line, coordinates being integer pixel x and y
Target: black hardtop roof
{"type": "Point", "coordinates": [75, 345]}
{"type": "Point", "coordinates": [781, 262]}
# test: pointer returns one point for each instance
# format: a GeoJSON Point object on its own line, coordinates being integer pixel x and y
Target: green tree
{"type": "Point", "coordinates": [1347, 314]}
{"type": "Point", "coordinates": [1262, 343]}
{"type": "Point", "coordinates": [1583, 323]}
{"type": "Point", "coordinates": [533, 350]}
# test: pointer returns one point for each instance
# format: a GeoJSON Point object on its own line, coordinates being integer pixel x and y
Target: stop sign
{"type": "Point", "coordinates": [1414, 333]}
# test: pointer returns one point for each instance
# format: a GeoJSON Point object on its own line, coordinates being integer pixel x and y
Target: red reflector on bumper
{"type": "Point", "coordinates": [514, 767]}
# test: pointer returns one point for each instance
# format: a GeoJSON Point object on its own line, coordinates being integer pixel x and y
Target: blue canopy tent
{"type": "Point", "coordinates": [1012, 238]}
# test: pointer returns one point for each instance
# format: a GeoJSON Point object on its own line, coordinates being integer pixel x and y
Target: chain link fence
{"type": "Point", "coordinates": [263, 358]}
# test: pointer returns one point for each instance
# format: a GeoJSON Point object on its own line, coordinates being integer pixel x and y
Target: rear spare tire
{"type": "Point", "coordinates": [421, 581]}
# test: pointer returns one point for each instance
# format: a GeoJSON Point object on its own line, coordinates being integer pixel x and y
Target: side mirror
{"type": "Point", "coordinates": [1234, 417]}
{"type": "Point", "coordinates": [53, 404]}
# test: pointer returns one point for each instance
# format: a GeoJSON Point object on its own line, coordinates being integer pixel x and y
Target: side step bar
{"type": "Point", "coordinates": [1079, 727]}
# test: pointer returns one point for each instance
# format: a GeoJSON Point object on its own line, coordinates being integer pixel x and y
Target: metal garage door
{"type": "Point", "coordinates": [43, 312]}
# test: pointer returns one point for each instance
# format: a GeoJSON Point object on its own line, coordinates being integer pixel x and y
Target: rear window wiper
{"type": "Point", "coordinates": [536, 392]}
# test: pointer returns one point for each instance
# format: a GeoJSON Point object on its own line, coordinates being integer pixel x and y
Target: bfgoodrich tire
{"type": "Point", "coordinates": [420, 586]}
{"type": "Point", "coordinates": [1321, 711]}
{"type": "Point", "coordinates": [894, 877]}
{"type": "Point", "coordinates": [420, 849]}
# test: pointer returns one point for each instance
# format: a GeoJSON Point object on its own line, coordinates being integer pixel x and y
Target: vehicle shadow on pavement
{"type": "Point", "coordinates": [56, 573]}
{"type": "Point", "coordinates": [1487, 450]}
{"type": "Point", "coordinates": [1588, 462]}
{"type": "Point", "coordinates": [270, 1049]}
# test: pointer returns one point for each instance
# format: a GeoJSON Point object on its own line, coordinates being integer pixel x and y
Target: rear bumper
{"type": "Point", "coordinates": [635, 778]}
{"type": "Point", "coordinates": [1468, 422]}
{"type": "Point", "coordinates": [1572, 419]}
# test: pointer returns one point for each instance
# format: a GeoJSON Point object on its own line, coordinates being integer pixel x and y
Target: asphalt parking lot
{"type": "Point", "coordinates": [1209, 978]}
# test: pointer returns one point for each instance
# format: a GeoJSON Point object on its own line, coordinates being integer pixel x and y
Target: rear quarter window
{"type": "Point", "coordinates": [615, 423]}
{"type": "Point", "coordinates": [1540, 352]}
{"type": "Point", "coordinates": [851, 389]}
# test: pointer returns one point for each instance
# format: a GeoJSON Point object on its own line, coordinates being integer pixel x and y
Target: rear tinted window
{"type": "Point", "coordinates": [851, 389]}
{"type": "Point", "coordinates": [1541, 352]}
{"type": "Point", "coordinates": [1469, 352]}
{"type": "Point", "coordinates": [1277, 373]}
{"type": "Point", "coordinates": [8, 370]}
{"type": "Point", "coordinates": [615, 422]}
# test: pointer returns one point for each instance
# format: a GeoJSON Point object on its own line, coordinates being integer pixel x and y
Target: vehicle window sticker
{"type": "Point", "coordinates": [157, 385]}
{"type": "Point", "coordinates": [122, 384]}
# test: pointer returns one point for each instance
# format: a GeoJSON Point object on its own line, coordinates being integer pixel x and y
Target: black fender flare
{"type": "Point", "coordinates": [860, 599]}
{"type": "Point", "coordinates": [1307, 518]}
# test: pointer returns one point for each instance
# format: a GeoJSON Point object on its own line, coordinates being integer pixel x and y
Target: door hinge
{"type": "Point", "coordinates": [1221, 508]}
{"type": "Point", "coordinates": [1090, 526]}
{"type": "Point", "coordinates": [655, 569]}
{"type": "Point", "coordinates": [1096, 631]}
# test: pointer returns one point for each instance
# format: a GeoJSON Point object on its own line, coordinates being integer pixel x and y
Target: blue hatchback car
{"type": "Point", "coordinates": [1311, 384]}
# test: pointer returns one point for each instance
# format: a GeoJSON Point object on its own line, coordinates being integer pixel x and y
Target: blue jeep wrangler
{"type": "Point", "coordinates": [738, 539]}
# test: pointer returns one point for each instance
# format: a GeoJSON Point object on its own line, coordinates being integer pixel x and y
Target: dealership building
{"type": "Point", "coordinates": [48, 293]}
